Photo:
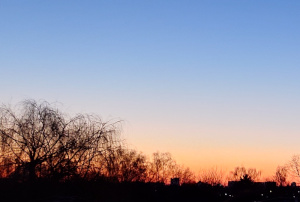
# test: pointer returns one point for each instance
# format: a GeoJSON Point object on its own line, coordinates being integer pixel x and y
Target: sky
{"type": "Point", "coordinates": [215, 83]}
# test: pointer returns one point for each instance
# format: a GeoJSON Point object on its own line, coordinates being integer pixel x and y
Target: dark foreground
{"type": "Point", "coordinates": [104, 191]}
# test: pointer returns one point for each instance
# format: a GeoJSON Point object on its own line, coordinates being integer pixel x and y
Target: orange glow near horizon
{"type": "Point", "coordinates": [226, 159]}
{"type": "Point", "coordinates": [204, 147]}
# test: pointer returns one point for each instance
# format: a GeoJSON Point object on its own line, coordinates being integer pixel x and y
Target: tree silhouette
{"type": "Point", "coordinates": [241, 173]}
{"type": "Point", "coordinates": [125, 165]}
{"type": "Point", "coordinates": [281, 175]}
{"type": "Point", "coordinates": [41, 142]}
{"type": "Point", "coordinates": [132, 166]}
{"type": "Point", "coordinates": [294, 166]}
{"type": "Point", "coordinates": [213, 176]}
{"type": "Point", "coordinates": [161, 167]}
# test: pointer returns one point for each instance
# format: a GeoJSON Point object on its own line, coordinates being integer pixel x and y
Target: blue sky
{"type": "Point", "coordinates": [187, 77]}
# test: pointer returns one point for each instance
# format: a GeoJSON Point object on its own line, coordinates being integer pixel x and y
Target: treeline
{"type": "Point", "coordinates": [37, 141]}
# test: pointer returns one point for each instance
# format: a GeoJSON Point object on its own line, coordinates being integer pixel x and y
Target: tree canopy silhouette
{"type": "Point", "coordinates": [39, 141]}
{"type": "Point", "coordinates": [241, 173]}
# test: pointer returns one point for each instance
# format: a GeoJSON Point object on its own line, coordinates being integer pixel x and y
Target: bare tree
{"type": "Point", "coordinates": [160, 167]}
{"type": "Point", "coordinates": [241, 173]}
{"type": "Point", "coordinates": [41, 142]}
{"type": "Point", "coordinates": [213, 176]}
{"type": "Point", "coordinates": [281, 175]}
{"type": "Point", "coordinates": [132, 166]}
{"type": "Point", "coordinates": [294, 166]}
{"type": "Point", "coordinates": [163, 167]}
{"type": "Point", "coordinates": [187, 176]}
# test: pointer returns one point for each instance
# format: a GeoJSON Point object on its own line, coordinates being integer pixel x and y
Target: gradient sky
{"type": "Point", "coordinates": [216, 83]}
